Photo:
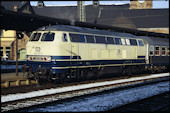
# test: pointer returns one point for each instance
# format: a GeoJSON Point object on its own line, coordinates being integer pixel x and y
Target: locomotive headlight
{"type": "Point", "coordinates": [30, 58]}
{"type": "Point", "coordinates": [48, 58]}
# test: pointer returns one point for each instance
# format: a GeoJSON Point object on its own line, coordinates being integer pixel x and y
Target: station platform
{"type": "Point", "coordinates": [12, 76]}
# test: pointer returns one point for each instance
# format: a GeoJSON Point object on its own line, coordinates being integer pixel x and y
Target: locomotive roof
{"type": "Point", "coordinates": [69, 28]}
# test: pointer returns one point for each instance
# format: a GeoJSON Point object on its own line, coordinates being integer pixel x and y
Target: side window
{"type": "Point", "coordinates": [118, 41]}
{"type": "Point", "coordinates": [151, 50]}
{"type": "Point", "coordinates": [77, 38]}
{"type": "Point", "coordinates": [163, 51]}
{"type": "Point", "coordinates": [110, 40]}
{"type": "Point", "coordinates": [35, 37]}
{"type": "Point", "coordinates": [64, 38]}
{"type": "Point", "coordinates": [127, 41]}
{"type": "Point", "coordinates": [82, 38]}
{"type": "Point", "coordinates": [123, 41]}
{"type": "Point", "coordinates": [168, 51]}
{"type": "Point", "coordinates": [133, 42]}
{"type": "Point", "coordinates": [47, 37]}
{"type": "Point", "coordinates": [140, 43]}
{"type": "Point", "coordinates": [90, 38]}
{"type": "Point", "coordinates": [157, 51]}
{"type": "Point", "coordinates": [100, 39]}
{"type": "Point", "coordinates": [8, 51]}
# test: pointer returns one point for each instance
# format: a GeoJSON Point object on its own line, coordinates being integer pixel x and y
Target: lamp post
{"type": "Point", "coordinates": [16, 51]}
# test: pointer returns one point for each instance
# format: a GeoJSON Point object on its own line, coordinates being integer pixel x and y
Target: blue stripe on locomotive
{"type": "Point", "coordinates": [63, 66]}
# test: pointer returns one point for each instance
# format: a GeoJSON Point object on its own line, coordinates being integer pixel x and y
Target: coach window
{"type": "Point", "coordinates": [35, 37]}
{"type": "Point", "coordinates": [163, 51]}
{"type": "Point", "coordinates": [8, 51]}
{"type": "Point", "coordinates": [118, 41]}
{"type": "Point", "coordinates": [90, 38]}
{"type": "Point", "coordinates": [47, 37]}
{"type": "Point", "coordinates": [100, 39]}
{"type": "Point", "coordinates": [157, 51]}
{"type": "Point", "coordinates": [123, 41]}
{"type": "Point", "coordinates": [140, 43]}
{"type": "Point", "coordinates": [110, 40]}
{"type": "Point", "coordinates": [127, 41]}
{"type": "Point", "coordinates": [64, 38]}
{"type": "Point", "coordinates": [133, 42]}
{"type": "Point", "coordinates": [151, 50]}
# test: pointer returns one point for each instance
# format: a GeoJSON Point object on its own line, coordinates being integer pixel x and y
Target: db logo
{"type": "Point", "coordinates": [37, 49]}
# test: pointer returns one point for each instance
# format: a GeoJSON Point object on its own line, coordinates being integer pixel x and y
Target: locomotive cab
{"type": "Point", "coordinates": [42, 50]}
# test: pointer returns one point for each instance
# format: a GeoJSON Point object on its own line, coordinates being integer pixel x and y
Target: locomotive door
{"type": "Point", "coordinates": [74, 55]}
{"type": "Point", "coordinates": [134, 53]}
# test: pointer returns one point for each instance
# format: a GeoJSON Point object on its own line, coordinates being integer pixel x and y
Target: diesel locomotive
{"type": "Point", "coordinates": [62, 52]}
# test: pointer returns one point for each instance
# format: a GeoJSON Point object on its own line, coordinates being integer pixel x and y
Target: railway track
{"type": "Point", "coordinates": [17, 101]}
{"type": "Point", "coordinates": [157, 103]}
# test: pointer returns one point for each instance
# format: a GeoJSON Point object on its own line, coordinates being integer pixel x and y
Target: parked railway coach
{"type": "Point", "coordinates": [62, 52]}
{"type": "Point", "coordinates": [158, 53]}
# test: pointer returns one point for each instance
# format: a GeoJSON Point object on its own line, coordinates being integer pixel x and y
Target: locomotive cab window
{"type": "Point", "coordinates": [151, 50]}
{"type": "Point", "coordinates": [47, 37]}
{"type": "Point", "coordinates": [163, 51]}
{"type": "Point", "coordinates": [140, 43]}
{"type": "Point", "coordinates": [77, 38]}
{"type": "Point", "coordinates": [35, 37]}
{"type": "Point", "coordinates": [157, 51]}
{"type": "Point", "coordinates": [64, 38]}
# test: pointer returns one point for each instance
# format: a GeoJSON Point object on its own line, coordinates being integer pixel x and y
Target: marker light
{"type": "Point", "coordinates": [45, 58]}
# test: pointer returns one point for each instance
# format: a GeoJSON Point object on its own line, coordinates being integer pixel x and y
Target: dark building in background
{"type": "Point", "coordinates": [142, 18]}
{"type": "Point", "coordinates": [136, 15]}
{"type": "Point", "coordinates": [8, 37]}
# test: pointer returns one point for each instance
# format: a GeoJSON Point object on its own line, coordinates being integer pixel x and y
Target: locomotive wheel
{"type": "Point", "coordinates": [36, 76]}
{"type": "Point", "coordinates": [127, 71]}
{"type": "Point", "coordinates": [91, 74]}
{"type": "Point", "coordinates": [49, 76]}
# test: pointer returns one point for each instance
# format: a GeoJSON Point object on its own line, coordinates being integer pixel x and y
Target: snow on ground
{"type": "Point", "coordinates": [105, 101]}
{"type": "Point", "coordinates": [12, 97]}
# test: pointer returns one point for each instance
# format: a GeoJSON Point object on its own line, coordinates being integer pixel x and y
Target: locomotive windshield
{"type": "Point", "coordinates": [35, 37]}
{"type": "Point", "coordinates": [47, 37]}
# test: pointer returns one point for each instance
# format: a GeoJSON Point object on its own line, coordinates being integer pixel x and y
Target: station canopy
{"type": "Point", "coordinates": [18, 21]}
